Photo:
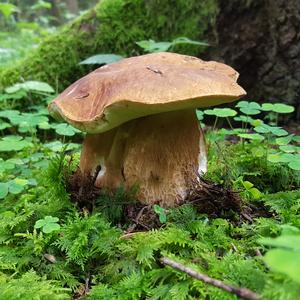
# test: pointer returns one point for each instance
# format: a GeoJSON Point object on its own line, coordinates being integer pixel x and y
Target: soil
{"type": "Point", "coordinates": [213, 200]}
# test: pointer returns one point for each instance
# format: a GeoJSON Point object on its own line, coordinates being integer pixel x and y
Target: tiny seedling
{"type": "Point", "coordinates": [161, 213]}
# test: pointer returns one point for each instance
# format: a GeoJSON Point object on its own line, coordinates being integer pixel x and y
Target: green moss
{"type": "Point", "coordinates": [112, 26]}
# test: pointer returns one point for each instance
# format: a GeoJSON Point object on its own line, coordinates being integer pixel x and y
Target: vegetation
{"type": "Point", "coordinates": [51, 247]}
{"type": "Point", "coordinates": [111, 26]}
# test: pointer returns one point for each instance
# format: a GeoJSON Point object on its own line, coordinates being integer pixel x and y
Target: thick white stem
{"type": "Point", "coordinates": [162, 154]}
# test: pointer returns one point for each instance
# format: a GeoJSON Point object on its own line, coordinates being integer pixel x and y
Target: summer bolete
{"type": "Point", "coordinates": [140, 120]}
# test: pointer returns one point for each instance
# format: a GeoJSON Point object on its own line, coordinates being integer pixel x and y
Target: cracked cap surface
{"type": "Point", "coordinates": [143, 85]}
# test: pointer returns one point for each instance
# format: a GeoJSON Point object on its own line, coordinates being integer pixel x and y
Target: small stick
{"type": "Point", "coordinates": [240, 292]}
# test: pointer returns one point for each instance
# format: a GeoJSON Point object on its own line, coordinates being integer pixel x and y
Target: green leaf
{"type": "Point", "coordinates": [247, 185]}
{"type": "Point", "coordinates": [15, 188]}
{"type": "Point", "coordinates": [27, 121]}
{"type": "Point", "coordinates": [285, 241]}
{"type": "Point", "coordinates": [185, 40]}
{"type": "Point", "coordinates": [57, 146]}
{"type": "Point", "coordinates": [37, 86]}
{"type": "Point", "coordinates": [251, 136]}
{"type": "Point", "coordinates": [39, 223]}
{"type": "Point", "coordinates": [12, 138]}
{"type": "Point", "coordinates": [7, 9]}
{"type": "Point", "coordinates": [256, 194]}
{"type": "Point", "coordinates": [41, 5]}
{"type": "Point", "coordinates": [256, 122]}
{"type": "Point", "coordinates": [199, 114]}
{"type": "Point", "coordinates": [289, 148]}
{"type": "Point", "coordinates": [280, 157]}
{"type": "Point", "coordinates": [48, 224]}
{"type": "Point", "coordinates": [160, 212]}
{"type": "Point", "coordinates": [152, 46]}
{"type": "Point", "coordinates": [242, 118]}
{"type": "Point", "coordinates": [295, 165]}
{"type": "Point", "coordinates": [101, 59]}
{"type": "Point", "coordinates": [21, 181]}
{"type": "Point", "coordinates": [263, 128]}
{"type": "Point", "coordinates": [6, 165]}
{"type": "Point", "coordinates": [278, 131]}
{"type": "Point", "coordinates": [49, 227]}
{"type": "Point", "coordinates": [267, 107]}
{"type": "Point", "coordinates": [283, 108]}
{"type": "Point", "coordinates": [65, 129]}
{"type": "Point", "coordinates": [296, 138]}
{"type": "Point", "coordinates": [4, 125]}
{"type": "Point", "coordinates": [221, 112]}
{"type": "Point", "coordinates": [8, 113]}
{"type": "Point", "coordinates": [258, 151]}
{"type": "Point", "coordinates": [284, 261]}
{"type": "Point", "coordinates": [13, 143]}
{"type": "Point", "coordinates": [3, 190]}
{"type": "Point", "coordinates": [284, 140]}
{"type": "Point", "coordinates": [278, 108]}
{"type": "Point", "coordinates": [249, 108]}
{"type": "Point", "coordinates": [50, 219]}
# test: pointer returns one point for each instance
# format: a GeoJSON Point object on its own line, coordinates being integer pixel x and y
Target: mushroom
{"type": "Point", "coordinates": [140, 120]}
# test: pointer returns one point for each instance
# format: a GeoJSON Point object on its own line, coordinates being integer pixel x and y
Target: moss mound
{"type": "Point", "coordinates": [111, 27]}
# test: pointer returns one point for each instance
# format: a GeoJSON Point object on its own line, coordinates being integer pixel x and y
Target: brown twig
{"type": "Point", "coordinates": [240, 292]}
{"type": "Point", "coordinates": [129, 235]}
{"type": "Point", "coordinates": [139, 215]}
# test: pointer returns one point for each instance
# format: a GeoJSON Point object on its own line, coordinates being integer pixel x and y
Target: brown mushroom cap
{"type": "Point", "coordinates": [144, 85]}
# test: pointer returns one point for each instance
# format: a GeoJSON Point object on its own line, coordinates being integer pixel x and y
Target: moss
{"type": "Point", "coordinates": [112, 26]}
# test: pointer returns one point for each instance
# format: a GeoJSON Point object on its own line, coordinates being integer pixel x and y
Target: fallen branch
{"type": "Point", "coordinates": [240, 292]}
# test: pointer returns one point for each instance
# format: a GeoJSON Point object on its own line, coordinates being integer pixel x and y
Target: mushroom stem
{"type": "Point", "coordinates": [164, 154]}
{"type": "Point", "coordinates": [161, 153]}
{"type": "Point", "coordinates": [95, 150]}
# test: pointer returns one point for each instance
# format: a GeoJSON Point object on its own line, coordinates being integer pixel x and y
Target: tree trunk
{"type": "Point", "coordinates": [72, 6]}
{"type": "Point", "coordinates": [261, 39]}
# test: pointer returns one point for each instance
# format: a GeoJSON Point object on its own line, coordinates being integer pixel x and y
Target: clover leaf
{"type": "Point", "coordinates": [296, 138]}
{"type": "Point", "coordinates": [14, 143]}
{"type": "Point", "coordinates": [249, 108]}
{"type": "Point", "coordinates": [278, 108]}
{"type": "Point", "coordinates": [264, 128]}
{"type": "Point", "coordinates": [58, 146]}
{"type": "Point", "coordinates": [3, 189]}
{"type": "Point", "coordinates": [6, 165]}
{"type": "Point", "coordinates": [4, 125]}
{"type": "Point", "coordinates": [48, 224]}
{"type": "Point", "coordinates": [252, 136]}
{"type": "Point", "coordinates": [199, 114]}
{"type": "Point", "coordinates": [284, 140]}
{"type": "Point", "coordinates": [295, 165]}
{"type": "Point", "coordinates": [65, 129]}
{"type": "Point", "coordinates": [221, 112]}
{"type": "Point", "coordinates": [289, 148]}
{"type": "Point", "coordinates": [293, 160]}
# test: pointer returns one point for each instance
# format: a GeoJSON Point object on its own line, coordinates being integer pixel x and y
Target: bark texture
{"type": "Point", "coordinates": [261, 40]}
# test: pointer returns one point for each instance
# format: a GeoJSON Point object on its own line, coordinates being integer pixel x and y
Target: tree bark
{"type": "Point", "coordinates": [72, 6]}
{"type": "Point", "coordinates": [261, 39]}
